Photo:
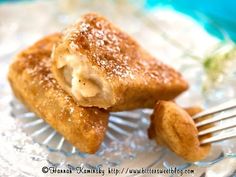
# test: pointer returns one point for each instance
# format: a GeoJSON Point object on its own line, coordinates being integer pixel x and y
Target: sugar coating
{"type": "Point", "coordinates": [36, 63]}
{"type": "Point", "coordinates": [116, 53]}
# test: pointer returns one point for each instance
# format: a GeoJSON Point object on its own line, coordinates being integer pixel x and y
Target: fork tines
{"type": "Point", "coordinates": [217, 114]}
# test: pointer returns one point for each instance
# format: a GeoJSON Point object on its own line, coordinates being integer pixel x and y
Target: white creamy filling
{"type": "Point", "coordinates": [83, 80]}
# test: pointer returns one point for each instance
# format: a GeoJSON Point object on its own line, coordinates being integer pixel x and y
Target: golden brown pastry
{"type": "Point", "coordinates": [33, 83]}
{"type": "Point", "coordinates": [173, 127]}
{"type": "Point", "coordinates": [100, 65]}
{"type": "Point", "coordinates": [194, 110]}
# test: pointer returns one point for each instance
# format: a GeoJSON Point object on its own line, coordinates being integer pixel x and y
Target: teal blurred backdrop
{"type": "Point", "coordinates": [217, 16]}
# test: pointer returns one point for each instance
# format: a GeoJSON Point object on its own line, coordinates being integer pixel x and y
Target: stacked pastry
{"type": "Point", "coordinates": [74, 79]}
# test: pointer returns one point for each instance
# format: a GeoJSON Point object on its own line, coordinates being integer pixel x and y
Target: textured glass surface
{"type": "Point", "coordinates": [171, 37]}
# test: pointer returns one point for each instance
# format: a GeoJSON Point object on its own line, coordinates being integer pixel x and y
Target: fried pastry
{"type": "Point", "coordinates": [173, 127]}
{"type": "Point", "coordinates": [33, 83]}
{"type": "Point", "coordinates": [100, 65]}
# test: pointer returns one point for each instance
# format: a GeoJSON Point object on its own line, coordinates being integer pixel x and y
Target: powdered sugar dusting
{"type": "Point", "coordinates": [36, 63]}
{"type": "Point", "coordinates": [114, 52]}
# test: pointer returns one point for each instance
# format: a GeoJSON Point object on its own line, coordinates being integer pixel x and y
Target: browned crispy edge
{"type": "Point", "coordinates": [152, 81]}
{"type": "Point", "coordinates": [35, 86]}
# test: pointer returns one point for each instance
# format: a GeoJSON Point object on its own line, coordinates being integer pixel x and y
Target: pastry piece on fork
{"type": "Point", "coordinates": [102, 66]}
{"type": "Point", "coordinates": [173, 127]}
{"type": "Point", "coordinates": [33, 83]}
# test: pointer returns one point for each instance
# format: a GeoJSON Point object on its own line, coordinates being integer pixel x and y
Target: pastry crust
{"type": "Point", "coordinates": [173, 127]}
{"type": "Point", "coordinates": [100, 65]}
{"type": "Point", "coordinates": [32, 82]}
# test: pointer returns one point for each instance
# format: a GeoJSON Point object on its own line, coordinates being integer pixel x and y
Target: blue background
{"type": "Point", "coordinates": [216, 16]}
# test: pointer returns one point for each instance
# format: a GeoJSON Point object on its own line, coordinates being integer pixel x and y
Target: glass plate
{"type": "Point", "coordinates": [28, 144]}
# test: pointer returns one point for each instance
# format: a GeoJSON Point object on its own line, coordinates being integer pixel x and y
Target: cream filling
{"type": "Point", "coordinates": [83, 80]}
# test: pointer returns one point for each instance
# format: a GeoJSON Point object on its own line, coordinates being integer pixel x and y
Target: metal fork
{"type": "Point", "coordinates": [218, 113]}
